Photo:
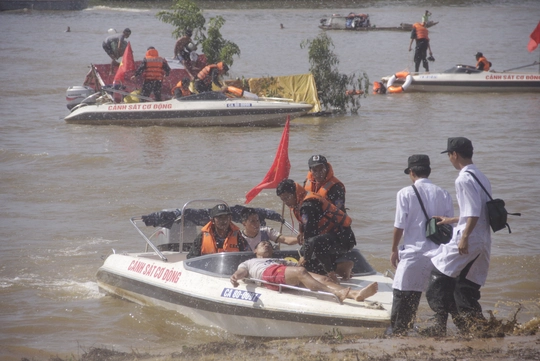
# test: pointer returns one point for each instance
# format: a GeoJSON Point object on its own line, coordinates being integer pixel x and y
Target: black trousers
{"type": "Point", "coordinates": [455, 296]}
{"type": "Point", "coordinates": [327, 248]}
{"type": "Point", "coordinates": [152, 86]}
{"type": "Point", "coordinates": [404, 309]}
{"type": "Point", "coordinates": [420, 54]}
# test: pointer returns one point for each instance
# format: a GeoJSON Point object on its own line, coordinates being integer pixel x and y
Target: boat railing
{"type": "Point", "coordinates": [281, 287]}
{"type": "Point", "coordinates": [149, 243]}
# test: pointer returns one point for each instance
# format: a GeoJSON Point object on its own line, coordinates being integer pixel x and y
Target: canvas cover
{"type": "Point", "coordinates": [299, 88]}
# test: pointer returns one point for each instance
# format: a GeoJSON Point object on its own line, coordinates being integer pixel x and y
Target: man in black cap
{"type": "Point", "coordinates": [461, 266]}
{"type": "Point", "coordinates": [412, 267]}
{"type": "Point", "coordinates": [115, 45]}
{"type": "Point", "coordinates": [218, 235]}
{"type": "Point", "coordinates": [321, 180]}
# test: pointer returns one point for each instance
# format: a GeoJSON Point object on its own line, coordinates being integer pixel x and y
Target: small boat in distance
{"type": "Point", "coordinates": [465, 78]}
{"type": "Point", "coordinates": [361, 22]}
{"type": "Point", "coordinates": [200, 287]}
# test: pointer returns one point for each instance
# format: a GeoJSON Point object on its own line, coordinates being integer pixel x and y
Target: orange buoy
{"type": "Point", "coordinates": [402, 88]}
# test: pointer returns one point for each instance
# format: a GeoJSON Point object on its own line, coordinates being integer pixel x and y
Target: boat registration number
{"type": "Point", "coordinates": [239, 105]}
{"type": "Point", "coordinates": [240, 294]}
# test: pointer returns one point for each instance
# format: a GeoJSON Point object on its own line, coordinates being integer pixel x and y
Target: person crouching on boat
{"type": "Point", "coordinates": [210, 75]}
{"type": "Point", "coordinates": [280, 271]}
{"type": "Point", "coordinates": [181, 89]}
{"type": "Point", "coordinates": [481, 62]}
{"type": "Point", "coordinates": [255, 234]}
{"type": "Point", "coordinates": [153, 68]}
{"type": "Point", "coordinates": [218, 235]}
{"type": "Point", "coordinates": [325, 231]}
{"type": "Point", "coordinates": [115, 45]}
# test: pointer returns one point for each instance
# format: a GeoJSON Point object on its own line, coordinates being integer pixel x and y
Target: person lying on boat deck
{"type": "Point", "coordinates": [153, 68]}
{"type": "Point", "coordinates": [481, 62]}
{"type": "Point", "coordinates": [420, 33]}
{"type": "Point", "coordinates": [115, 45]}
{"type": "Point", "coordinates": [218, 235]}
{"type": "Point", "coordinates": [181, 89]}
{"type": "Point", "coordinates": [210, 75]}
{"type": "Point", "coordinates": [280, 271]}
{"type": "Point", "coordinates": [325, 231]}
{"type": "Point", "coordinates": [255, 234]}
{"type": "Point", "coordinates": [321, 180]}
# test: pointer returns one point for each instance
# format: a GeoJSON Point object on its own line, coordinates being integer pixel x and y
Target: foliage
{"type": "Point", "coordinates": [186, 14]}
{"type": "Point", "coordinates": [331, 84]}
{"type": "Point", "coordinates": [269, 87]}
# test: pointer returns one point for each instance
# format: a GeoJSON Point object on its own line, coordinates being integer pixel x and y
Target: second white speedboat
{"type": "Point", "coordinates": [201, 110]}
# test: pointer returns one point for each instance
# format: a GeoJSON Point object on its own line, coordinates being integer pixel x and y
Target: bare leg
{"type": "Point", "coordinates": [357, 295]}
{"type": "Point", "coordinates": [296, 275]}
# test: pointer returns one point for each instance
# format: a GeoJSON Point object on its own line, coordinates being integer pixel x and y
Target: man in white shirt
{"type": "Point", "coordinates": [413, 268]}
{"type": "Point", "coordinates": [254, 233]}
{"type": "Point", "coordinates": [461, 266]}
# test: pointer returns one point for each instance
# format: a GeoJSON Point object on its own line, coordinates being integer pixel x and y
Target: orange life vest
{"type": "Point", "coordinates": [154, 66]}
{"type": "Point", "coordinates": [311, 186]}
{"type": "Point", "coordinates": [484, 61]}
{"type": "Point", "coordinates": [204, 74]}
{"type": "Point", "coordinates": [333, 218]}
{"type": "Point", "coordinates": [209, 245]}
{"type": "Point", "coordinates": [421, 31]}
{"type": "Point", "coordinates": [185, 92]}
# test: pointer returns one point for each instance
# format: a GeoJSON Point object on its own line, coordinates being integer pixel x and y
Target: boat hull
{"type": "Point", "coordinates": [483, 82]}
{"type": "Point", "coordinates": [249, 310]}
{"type": "Point", "coordinates": [199, 113]}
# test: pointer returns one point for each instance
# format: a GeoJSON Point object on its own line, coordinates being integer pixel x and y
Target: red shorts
{"type": "Point", "coordinates": [274, 274]}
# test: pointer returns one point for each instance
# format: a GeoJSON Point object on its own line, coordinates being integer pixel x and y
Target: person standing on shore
{"type": "Point", "coordinates": [412, 267]}
{"type": "Point", "coordinates": [461, 266]}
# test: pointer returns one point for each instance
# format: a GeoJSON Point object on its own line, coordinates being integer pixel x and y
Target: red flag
{"type": "Point", "coordinates": [535, 38]}
{"type": "Point", "coordinates": [279, 169]}
{"type": "Point", "coordinates": [127, 64]}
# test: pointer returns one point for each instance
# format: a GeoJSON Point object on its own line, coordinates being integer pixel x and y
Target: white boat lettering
{"type": "Point", "coordinates": [239, 105]}
{"type": "Point", "coordinates": [240, 295]}
{"type": "Point", "coordinates": [136, 266]}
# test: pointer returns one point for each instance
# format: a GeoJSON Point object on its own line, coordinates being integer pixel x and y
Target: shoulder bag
{"type": "Point", "coordinates": [438, 234]}
{"type": "Point", "coordinates": [498, 215]}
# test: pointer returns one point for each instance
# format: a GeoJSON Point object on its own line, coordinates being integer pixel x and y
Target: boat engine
{"type": "Point", "coordinates": [76, 94]}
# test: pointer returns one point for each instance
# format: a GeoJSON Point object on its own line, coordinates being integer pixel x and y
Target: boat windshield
{"type": "Point", "coordinates": [225, 264]}
{"type": "Point", "coordinates": [462, 69]}
{"type": "Point", "coordinates": [204, 96]}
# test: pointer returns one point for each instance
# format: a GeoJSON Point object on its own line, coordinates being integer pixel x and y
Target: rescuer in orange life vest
{"type": "Point", "coordinates": [420, 33]}
{"type": "Point", "coordinates": [153, 68]}
{"type": "Point", "coordinates": [210, 75]}
{"type": "Point", "coordinates": [325, 231]}
{"type": "Point", "coordinates": [321, 180]}
{"type": "Point", "coordinates": [482, 62]}
{"type": "Point", "coordinates": [218, 235]}
{"type": "Point", "coordinates": [181, 89]}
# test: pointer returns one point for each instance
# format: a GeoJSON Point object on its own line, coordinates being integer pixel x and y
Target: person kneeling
{"type": "Point", "coordinates": [281, 271]}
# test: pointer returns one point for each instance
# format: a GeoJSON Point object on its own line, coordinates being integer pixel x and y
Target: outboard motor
{"type": "Point", "coordinates": [76, 94]}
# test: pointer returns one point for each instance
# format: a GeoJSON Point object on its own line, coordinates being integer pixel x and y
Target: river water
{"type": "Point", "coordinates": [67, 191]}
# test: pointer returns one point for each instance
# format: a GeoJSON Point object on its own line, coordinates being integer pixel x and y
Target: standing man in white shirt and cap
{"type": "Point", "coordinates": [413, 268]}
{"type": "Point", "coordinates": [461, 266]}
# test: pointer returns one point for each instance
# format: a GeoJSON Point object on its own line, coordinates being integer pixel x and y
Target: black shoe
{"type": "Point", "coordinates": [433, 331]}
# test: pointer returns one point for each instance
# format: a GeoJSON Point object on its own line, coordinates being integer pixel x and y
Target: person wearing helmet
{"type": "Point", "coordinates": [210, 75]}
{"type": "Point", "coordinates": [481, 62]}
{"type": "Point", "coordinates": [115, 45]}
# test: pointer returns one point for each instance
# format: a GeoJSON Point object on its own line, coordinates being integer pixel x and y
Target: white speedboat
{"type": "Point", "coordinates": [199, 288]}
{"type": "Point", "coordinates": [361, 22]}
{"type": "Point", "coordinates": [205, 109]}
{"type": "Point", "coordinates": [465, 78]}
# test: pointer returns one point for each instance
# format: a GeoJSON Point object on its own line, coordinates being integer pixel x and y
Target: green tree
{"type": "Point", "coordinates": [186, 14]}
{"type": "Point", "coordinates": [332, 86]}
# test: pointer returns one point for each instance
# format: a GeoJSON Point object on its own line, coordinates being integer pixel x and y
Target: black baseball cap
{"type": "Point", "coordinates": [458, 144]}
{"type": "Point", "coordinates": [417, 160]}
{"type": "Point", "coordinates": [316, 160]}
{"type": "Point", "coordinates": [219, 210]}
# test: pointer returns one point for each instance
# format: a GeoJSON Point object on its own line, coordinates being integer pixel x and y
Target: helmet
{"type": "Point", "coordinates": [191, 47]}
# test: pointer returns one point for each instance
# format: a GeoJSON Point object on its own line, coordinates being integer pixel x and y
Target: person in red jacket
{"type": "Point", "coordinates": [153, 68]}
